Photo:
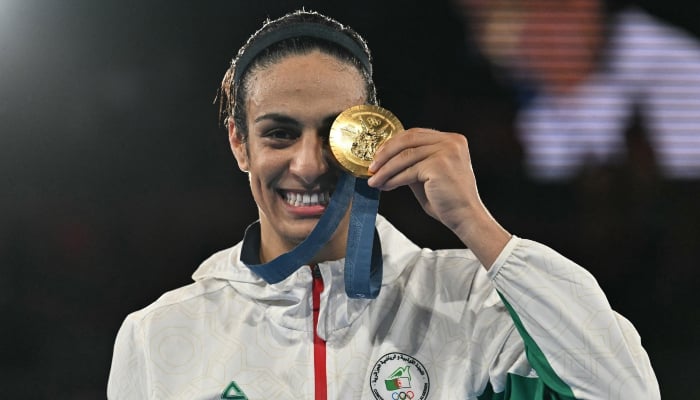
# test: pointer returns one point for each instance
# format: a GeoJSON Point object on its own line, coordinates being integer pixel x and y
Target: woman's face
{"type": "Point", "coordinates": [290, 108]}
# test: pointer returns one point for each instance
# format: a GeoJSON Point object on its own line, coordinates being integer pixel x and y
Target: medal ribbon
{"type": "Point", "coordinates": [363, 254]}
{"type": "Point", "coordinates": [363, 259]}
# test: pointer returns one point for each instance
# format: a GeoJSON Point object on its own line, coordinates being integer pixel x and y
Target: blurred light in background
{"type": "Point", "coordinates": [599, 86]}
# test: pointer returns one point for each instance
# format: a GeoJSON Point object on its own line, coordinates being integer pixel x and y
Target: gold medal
{"type": "Point", "coordinates": [357, 133]}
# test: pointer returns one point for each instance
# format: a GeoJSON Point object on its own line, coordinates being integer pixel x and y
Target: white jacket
{"type": "Point", "coordinates": [441, 328]}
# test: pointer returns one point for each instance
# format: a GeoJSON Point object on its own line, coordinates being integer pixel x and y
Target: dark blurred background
{"type": "Point", "coordinates": [116, 179]}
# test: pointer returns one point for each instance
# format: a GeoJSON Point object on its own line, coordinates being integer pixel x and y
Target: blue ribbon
{"type": "Point", "coordinates": [363, 259]}
{"type": "Point", "coordinates": [363, 254]}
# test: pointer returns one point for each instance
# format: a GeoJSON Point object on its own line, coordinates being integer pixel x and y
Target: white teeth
{"type": "Point", "coordinates": [307, 199]}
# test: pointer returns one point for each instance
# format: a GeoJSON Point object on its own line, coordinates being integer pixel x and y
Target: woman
{"type": "Point", "coordinates": [445, 324]}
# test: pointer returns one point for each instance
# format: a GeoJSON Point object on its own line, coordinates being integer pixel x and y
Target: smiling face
{"type": "Point", "coordinates": [290, 108]}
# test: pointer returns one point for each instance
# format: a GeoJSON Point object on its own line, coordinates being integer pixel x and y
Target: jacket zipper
{"type": "Point", "coordinates": [320, 379]}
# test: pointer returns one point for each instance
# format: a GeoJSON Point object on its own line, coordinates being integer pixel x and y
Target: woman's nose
{"type": "Point", "coordinates": [309, 160]}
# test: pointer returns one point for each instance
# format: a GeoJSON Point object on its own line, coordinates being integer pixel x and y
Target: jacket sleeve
{"type": "Point", "coordinates": [128, 375]}
{"type": "Point", "coordinates": [579, 347]}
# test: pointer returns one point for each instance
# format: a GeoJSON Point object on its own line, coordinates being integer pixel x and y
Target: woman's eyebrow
{"type": "Point", "coordinates": [277, 117]}
{"type": "Point", "coordinates": [286, 119]}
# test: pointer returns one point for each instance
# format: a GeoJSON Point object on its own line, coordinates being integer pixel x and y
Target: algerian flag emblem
{"type": "Point", "coordinates": [401, 378]}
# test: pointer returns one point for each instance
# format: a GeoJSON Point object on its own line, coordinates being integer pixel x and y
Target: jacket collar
{"type": "Point", "coordinates": [289, 300]}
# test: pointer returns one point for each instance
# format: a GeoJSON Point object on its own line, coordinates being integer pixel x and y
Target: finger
{"type": "Point", "coordinates": [406, 176]}
{"type": "Point", "coordinates": [414, 137]}
{"type": "Point", "coordinates": [403, 168]}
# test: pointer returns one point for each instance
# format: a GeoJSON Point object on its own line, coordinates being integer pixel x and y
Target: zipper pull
{"type": "Point", "coordinates": [316, 271]}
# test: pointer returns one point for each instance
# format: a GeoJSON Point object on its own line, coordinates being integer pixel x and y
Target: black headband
{"type": "Point", "coordinates": [309, 29]}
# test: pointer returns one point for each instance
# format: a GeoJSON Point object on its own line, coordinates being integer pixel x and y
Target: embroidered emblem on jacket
{"type": "Point", "coordinates": [399, 376]}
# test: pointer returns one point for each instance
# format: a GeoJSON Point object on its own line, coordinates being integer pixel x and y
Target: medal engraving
{"type": "Point", "coordinates": [357, 133]}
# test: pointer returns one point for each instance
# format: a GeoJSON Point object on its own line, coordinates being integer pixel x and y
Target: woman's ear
{"type": "Point", "coordinates": [238, 147]}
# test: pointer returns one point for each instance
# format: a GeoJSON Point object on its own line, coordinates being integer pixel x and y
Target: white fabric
{"type": "Point", "coordinates": [440, 307]}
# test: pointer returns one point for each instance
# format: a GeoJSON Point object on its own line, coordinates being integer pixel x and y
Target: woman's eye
{"type": "Point", "coordinates": [281, 134]}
